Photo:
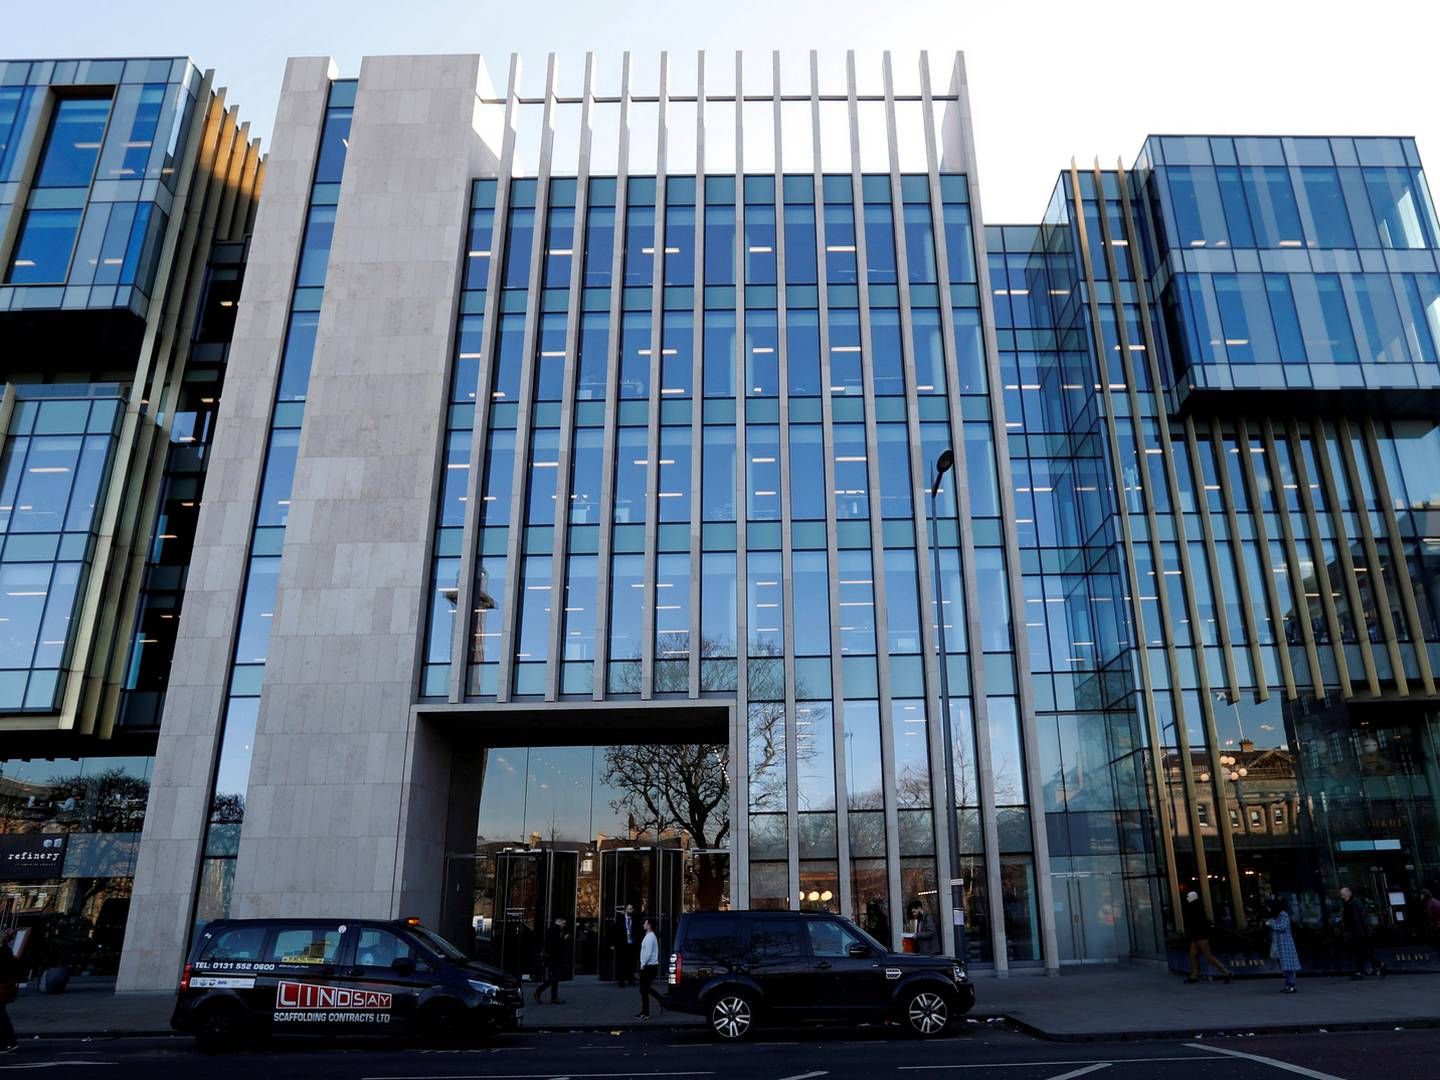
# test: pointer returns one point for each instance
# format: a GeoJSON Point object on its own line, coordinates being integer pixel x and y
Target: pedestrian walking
{"type": "Point", "coordinates": [1282, 943]}
{"type": "Point", "coordinates": [649, 969]}
{"type": "Point", "coordinates": [627, 940]}
{"type": "Point", "coordinates": [1431, 906]}
{"type": "Point", "coordinates": [9, 988]}
{"type": "Point", "coordinates": [557, 945]}
{"type": "Point", "coordinates": [927, 940]}
{"type": "Point", "coordinates": [1355, 932]}
{"type": "Point", "coordinates": [1197, 933]}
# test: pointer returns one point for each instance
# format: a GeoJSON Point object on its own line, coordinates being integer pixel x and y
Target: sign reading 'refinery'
{"type": "Point", "coordinates": [31, 856]}
{"type": "Point", "coordinates": [298, 995]}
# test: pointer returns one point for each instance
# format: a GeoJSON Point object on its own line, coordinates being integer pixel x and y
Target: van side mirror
{"type": "Point", "coordinates": [859, 951]}
{"type": "Point", "coordinates": [403, 965]}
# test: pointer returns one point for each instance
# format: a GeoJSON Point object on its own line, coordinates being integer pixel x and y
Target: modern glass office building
{"type": "Point", "coordinates": [127, 188]}
{"type": "Point", "coordinates": [580, 539]}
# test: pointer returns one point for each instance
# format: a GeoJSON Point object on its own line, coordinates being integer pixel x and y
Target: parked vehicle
{"type": "Point", "coordinates": [338, 977]}
{"type": "Point", "coordinates": [740, 969]}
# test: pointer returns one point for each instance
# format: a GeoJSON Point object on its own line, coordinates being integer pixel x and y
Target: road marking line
{"type": "Point", "coordinates": [1081, 1072]}
{"type": "Point", "coordinates": [1274, 1063]}
{"type": "Point", "coordinates": [807, 1076]}
{"type": "Point", "coordinates": [552, 1075]}
{"type": "Point", "coordinates": [53, 1064]}
{"type": "Point", "coordinates": [1052, 1061]}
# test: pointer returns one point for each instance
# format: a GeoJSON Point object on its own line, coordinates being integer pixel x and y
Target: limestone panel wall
{"type": "Point", "coordinates": [347, 799]}
{"type": "Point", "coordinates": [165, 873]}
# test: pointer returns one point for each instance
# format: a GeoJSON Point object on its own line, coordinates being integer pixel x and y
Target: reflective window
{"type": "Point", "coordinates": [499, 467]}
{"type": "Point", "coordinates": [672, 607]}
{"type": "Point", "coordinates": [627, 607]}
{"type": "Point", "coordinates": [718, 620]}
{"type": "Point", "coordinates": [679, 245]}
{"type": "Point", "coordinates": [1402, 207]}
{"type": "Point", "coordinates": [840, 244]}
{"type": "Point", "coordinates": [802, 345]}
{"type": "Point", "coordinates": [765, 613]}
{"type": "Point", "coordinates": [902, 602]}
{"type": "Point", "coordinates": [585, 463]}
{"type": "Point", "coordinates": [762, 486]}
{"type": "Point", "coordinates": [929, 352]}
{"type": "Point", "coordinates": [800, 244]}
{"type": "Point", "coordinates": [762, 354]}
{"type": "Point", "coordinates": [639, 245]}
{"type": "Point", "coordinates": [42, 253]}
{"type": "Point", "coordinates": [593, 359]}
{"type": "Point", "coordinates": [599, 245]}
{"type": "Point", "coordinates": [810, 586]}
{"type": "Point", "coordinates": [559, 250]}
{"type": "Point", "coordinates": [887, 358]}
{"type": "Point", "coordinates": [852, 482]}
{"type": "Point", "coordinates": [334, 142]}
{"type": "Point", "coordinates": [807, 473]}
{"type": "Point", "coordinates": [550, 357]}
{"type": "Point", "coordinates": [533, 634]}
{"type": "Point", "coordinates": [1327, 220]}
{"type": "Point", "coordinates": [580, 600]}
{"type": "Point", "coordinates": [845, 353]}
{"type": "Point", "coordinates": [674, 484]}
{"type": "Point", "coordinates": [893, 451]}
{"type": "Point", "coordinates": [879, 244]}
{"type": "Point", "coordinates": [760, 244]}
{"type": "Point", "coordinates": [509, 355]}
{"type": "Point", "coordinates": [719, 245]}
{"type": "Point", "coordinates": [630, 474]}
{"type": "Point", "coordinates": [677, 354]}
{"type": "Point", "coordinates": [517, 247]}
{"type": "Point", "coordinates": [543, 475]}
{"type": "Point", "coordinates": [857, 603]}
{"type": "Point", "coordinates": [919, 243]}
{"type": "Point", "coordinates": [635, 354]}
{"type": "Point", "coordinates": [718, 357]}
{"type": "Point", "coordinates": [76, 129]}
{"type": "Point", "coordinates": [718, 481]}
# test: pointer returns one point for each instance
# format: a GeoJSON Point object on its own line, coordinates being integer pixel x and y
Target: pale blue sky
{"type": "Point", "coordinates": [1047, 80]}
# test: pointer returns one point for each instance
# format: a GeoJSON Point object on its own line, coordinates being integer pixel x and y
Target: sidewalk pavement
{"type": "Point", "coordinates": [1133, 1001]}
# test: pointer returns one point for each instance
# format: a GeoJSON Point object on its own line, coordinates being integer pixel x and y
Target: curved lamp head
{"type": "Point", "coordinates": [943, 465]}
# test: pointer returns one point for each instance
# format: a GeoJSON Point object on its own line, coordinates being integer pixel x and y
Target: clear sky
{"type": "Point", "coordinates": [1048, 81]}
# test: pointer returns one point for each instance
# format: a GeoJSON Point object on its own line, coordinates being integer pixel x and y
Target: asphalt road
{"type": "Point", "coordinates": [661, 1054]}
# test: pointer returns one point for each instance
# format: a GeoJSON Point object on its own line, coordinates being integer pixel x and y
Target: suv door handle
{"type": "Point", "coordinates": [823, 965]}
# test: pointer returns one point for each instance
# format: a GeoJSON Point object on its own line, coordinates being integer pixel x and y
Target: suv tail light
{"type": "Point", "coordinates": [676, 966]}
{"type": "Point", "coordinates": [185, 977]}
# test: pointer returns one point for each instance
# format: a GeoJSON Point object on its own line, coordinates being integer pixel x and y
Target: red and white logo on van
{"type": "Point", "coordinates": [298, 995]}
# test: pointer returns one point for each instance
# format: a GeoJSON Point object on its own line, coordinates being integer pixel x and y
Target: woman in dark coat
{"type": "Point", "coordinates": [1197, 934]}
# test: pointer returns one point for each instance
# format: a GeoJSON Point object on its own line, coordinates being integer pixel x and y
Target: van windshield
{"type": "Point", "coordinates": [439, 944]}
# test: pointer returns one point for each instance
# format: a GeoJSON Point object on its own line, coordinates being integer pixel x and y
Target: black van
{"type": "Point", "coordinates": [742, 968]}
{"type": "Point", "coordinates": [338, 977]}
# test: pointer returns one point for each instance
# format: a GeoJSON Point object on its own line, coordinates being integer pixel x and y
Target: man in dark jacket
{"type": "Point", "coordinates": [557, 946]}
{"type": "Point", "coordinates": [1355, 932]}
{"type": "Point", "coordinates": [627, 945]}
{"type": "Point", "coordinates": [1197, 935]}
{"type": "Point", "coordinates": [9, 978]}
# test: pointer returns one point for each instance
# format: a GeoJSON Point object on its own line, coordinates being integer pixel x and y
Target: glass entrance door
{"type": "Point", "coordinates": [532, 889]}
{"type": "Point", "coordinates": [1089, 917]}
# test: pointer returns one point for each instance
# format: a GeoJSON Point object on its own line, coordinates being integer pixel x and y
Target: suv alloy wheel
{"type": "Point", "coordinates": [926, 1013]}
{"type": "Point", "coordinates": [731, 1016]}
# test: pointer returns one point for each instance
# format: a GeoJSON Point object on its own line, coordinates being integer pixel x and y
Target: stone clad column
{"type": "Point", "coordinates": [347, 804]}
{"type": "Point", "coordinates": [158, 930]}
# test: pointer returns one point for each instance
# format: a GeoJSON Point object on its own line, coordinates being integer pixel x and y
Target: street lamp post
{"type": "Point", "coordinates": [943, 464]}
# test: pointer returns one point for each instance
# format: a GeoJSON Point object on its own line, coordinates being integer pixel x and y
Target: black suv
{"type": "Point", "coordinates": [741, 968]}
{"type": "Point", "coordinates": [338, 977]}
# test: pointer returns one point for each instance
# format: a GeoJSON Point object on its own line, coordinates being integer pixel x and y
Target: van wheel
{"type": "Point", "coordinates": [442, 1023]}
{"type": "Point", "coordinates": [219, 1029]}
{"type": "Point", "coordinates": [732, 1016]}
{"type": "Point", "coordinates": [925, 1013]}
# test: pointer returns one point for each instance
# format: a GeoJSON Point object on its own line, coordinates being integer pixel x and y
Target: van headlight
{"type": "Point", "coordinates": [488, 991]}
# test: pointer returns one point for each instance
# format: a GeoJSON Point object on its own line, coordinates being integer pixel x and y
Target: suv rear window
{"type": "Point", "coordinates": [236, 943]}
{"type": "Point", "coordinates": [305, 945]}
{"type": "Point", "coordinates": [711, 939]}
